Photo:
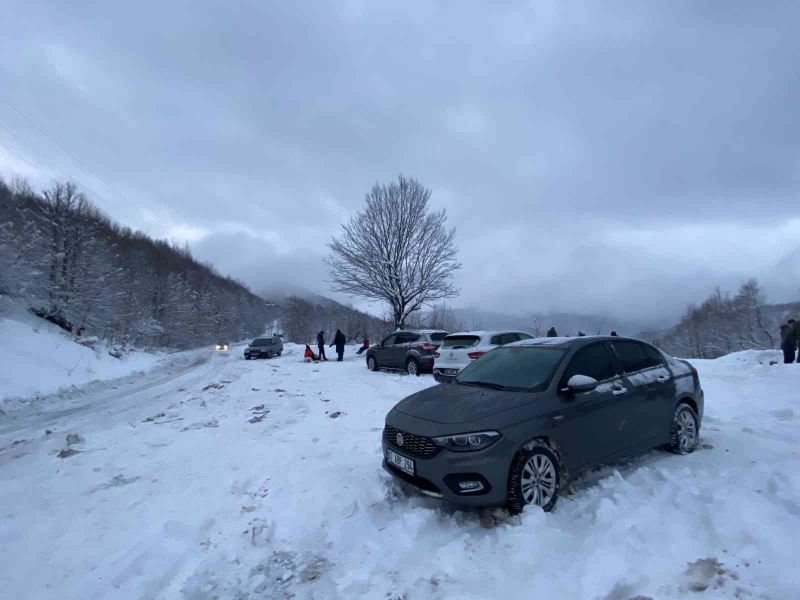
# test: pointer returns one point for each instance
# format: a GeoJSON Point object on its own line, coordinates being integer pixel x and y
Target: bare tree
{"type": "Point", "coordinates": [396, 251]}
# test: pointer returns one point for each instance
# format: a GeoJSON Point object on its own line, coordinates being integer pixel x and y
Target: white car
{"type": "Point", "coordinates": [460, 349]}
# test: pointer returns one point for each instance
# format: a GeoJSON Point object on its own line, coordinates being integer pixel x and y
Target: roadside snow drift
{"type": "Point", "coordinates": [38, 357]}
{"type": "Point", "coordinates": [262, 479]}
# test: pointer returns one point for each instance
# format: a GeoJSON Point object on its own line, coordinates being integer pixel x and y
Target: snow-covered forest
{"type": "Point", "coordinates": [723, 324]}
{"type": "Point", "coordinates": [70, 264]}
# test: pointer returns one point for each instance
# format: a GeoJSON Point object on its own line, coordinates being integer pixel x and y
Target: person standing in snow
{"type": "Point", "coordinates": [321, 345]}
{"type": "Point", "coordinates": [339, 341]}
{"type": "Point", "coordinates": [614, 334]}
{"type": "Point", "coordinates": [552, 332]}
{"type": "Point", "coordinates": [789, 341]}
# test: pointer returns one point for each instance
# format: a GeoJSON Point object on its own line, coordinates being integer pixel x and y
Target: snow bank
{"type": "Point", "coordinates": [39, 358]}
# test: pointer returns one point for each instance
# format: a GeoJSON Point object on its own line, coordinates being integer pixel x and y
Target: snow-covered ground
{"type": "Point", "coordinates": [225, 478]}
{"type": "Point", "coordinates": [39, 358]}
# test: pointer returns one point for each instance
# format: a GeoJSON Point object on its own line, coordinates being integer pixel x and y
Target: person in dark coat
{"type": "Point", "coordinates": [581, 334]}
{"type": "Point", "coordinates": [339, 341]}
{"type": "Point", "coordinates": [613, 334]}
{"type": "Point", "coordinates": [552, 332]}
{"type": "Point", "coordinates": [789, 340]}
{"type": "Point", "coordinates": [321, 345]}
{"type": "Point", "coordinates": [364, 346]}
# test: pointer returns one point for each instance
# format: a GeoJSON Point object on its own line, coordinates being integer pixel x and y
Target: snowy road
{"type": "Point", "coordinates": [225, 478]}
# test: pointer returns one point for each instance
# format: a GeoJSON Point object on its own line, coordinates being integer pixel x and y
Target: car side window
{"type": "Point", "coordinates": [411, 337]}
{"type": "Point", "coordinates": [594, 361]}
{"type": "Point", "coordinates": [497, 340]}
{"type": "Point", "coordinates": [632, 356]}
{"type": "Point", "coordinates": [653, 356]}
{"type": "Point", "coordinates": [508, 338]}
{"type": "Point", "coordinates": [389, 341]}
{"type": "Point", "coordinates": [524, 336]}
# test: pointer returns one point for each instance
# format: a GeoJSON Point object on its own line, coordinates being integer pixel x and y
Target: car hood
{"type": "Point", "coordinates": [453, 403]}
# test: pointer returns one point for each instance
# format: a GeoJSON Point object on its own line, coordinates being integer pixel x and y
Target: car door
{"type": "Point", "coordinates": [651, 386]}
{"type": "Point", "coordinates": [382, 351]}
{"type": "Point", "coordinates": [592, 424]}
{"type": "Point", "coordinates": [400, 349]}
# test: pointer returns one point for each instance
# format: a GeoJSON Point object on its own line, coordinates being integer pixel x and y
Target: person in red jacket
{"type": "Point", "coordinates": [364, 346]}
{"type": "Point", "coordinates": [309, 354]}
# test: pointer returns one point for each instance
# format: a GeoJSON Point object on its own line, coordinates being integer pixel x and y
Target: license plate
{"type": "Point", "coordinates": [449, 371]}
{"type": "Point", "coordinates": [401, 462]}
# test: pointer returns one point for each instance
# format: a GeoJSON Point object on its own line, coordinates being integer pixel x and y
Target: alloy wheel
{"type": "Point", "coordinates": [687, 431]}
{"type": "Point", "coordinates": [412, 367]}
{"type": "Point", "coordinates": [538, 480]}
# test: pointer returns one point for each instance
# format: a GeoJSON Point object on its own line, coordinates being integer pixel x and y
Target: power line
{"type": "Point", "coordinates": [67, 152]}
{"type": "Point", "coordinates": [39, 159]}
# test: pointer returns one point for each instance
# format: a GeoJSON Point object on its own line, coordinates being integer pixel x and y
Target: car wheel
{"type": "Point", "coordinates": [535, 478]}
{"type": "Point", "coordinates": [684, 432]}
{"type": "Point", "coordinates": [247, 358]}
{"type": "Point", "coordinates": [372, 364]}
{"type": "Point", "coordinates": [412, 366]}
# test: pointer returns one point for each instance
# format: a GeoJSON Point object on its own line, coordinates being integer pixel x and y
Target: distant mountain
{"type": "Point", "coordinates": [565, 323]}
{"type": "Point", "coordinates": [278, 292]}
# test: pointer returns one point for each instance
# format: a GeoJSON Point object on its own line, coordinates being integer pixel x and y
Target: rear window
{"type": "Point", "coordinates": [460, 341]}
{"type": "Point", "coordinates": [437, 336]}
{"type": "Point", "coordinates": [521, 368]}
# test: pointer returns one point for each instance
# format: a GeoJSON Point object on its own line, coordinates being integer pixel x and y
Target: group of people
{"type": "Point", "coordinates": [790, 341]}
{"type": "Point", "coordinates": [553, 333]}
{"type": "Point", "coordinates": [339, 341]}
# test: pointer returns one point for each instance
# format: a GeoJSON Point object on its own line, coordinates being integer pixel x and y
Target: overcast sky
{"type": "Point", "coordinates": [594, 157]}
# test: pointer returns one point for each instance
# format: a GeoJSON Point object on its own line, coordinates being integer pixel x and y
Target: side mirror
{"type": "Point", "coordinates": [579, 384]}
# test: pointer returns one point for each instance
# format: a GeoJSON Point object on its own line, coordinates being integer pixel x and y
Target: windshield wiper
{"type": "Point", "coordinates": [486, 384]}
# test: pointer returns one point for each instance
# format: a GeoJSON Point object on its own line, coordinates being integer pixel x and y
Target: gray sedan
{"type": "Point", "coordinates": [525, 415]}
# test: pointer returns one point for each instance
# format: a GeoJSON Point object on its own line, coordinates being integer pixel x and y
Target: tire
{"type": "Point", "coordinates": [538, 470]}
{"type": "Point", "coordinates": [684, 430]}
{"type": "Point", "coordinates": [247, 358]}
{"type": "Point", "coordinates": [372, 364]}
{"type": "Point", "coordinates": [412, 367]}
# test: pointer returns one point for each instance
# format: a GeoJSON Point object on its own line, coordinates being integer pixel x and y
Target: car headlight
{"type": "Point", "coordinates": [466, 442]}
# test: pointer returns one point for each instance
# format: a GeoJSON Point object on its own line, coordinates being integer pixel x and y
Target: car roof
{"type": "Point", "coordinates": [572, 342]}
{"type": "Point", "coordinates": [419, 331]}
{"type": "Point", "coordinates": [488, 333]}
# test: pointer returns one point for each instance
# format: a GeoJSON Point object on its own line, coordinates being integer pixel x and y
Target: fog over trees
{"type": "Point", "coordinates": [71, 265]}
{"type": "Point", "coordinates": [726, 323]}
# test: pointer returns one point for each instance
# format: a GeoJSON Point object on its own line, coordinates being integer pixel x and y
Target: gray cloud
{"type": "Point", "coordinates": [623, 157]}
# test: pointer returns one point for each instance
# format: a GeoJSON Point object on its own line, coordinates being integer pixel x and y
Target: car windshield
{"type": "Point", "coordinates": [460, 341]}
{"type": "Point", "coordinates": [261, 342]}
{"type": "Point", "coordinates": [516, 368]}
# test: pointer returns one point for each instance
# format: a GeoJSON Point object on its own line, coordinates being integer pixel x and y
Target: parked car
{"type": "Point", "coordinates": [521, 418]}
{"type": "Point", "coordinates": [264, 348]}
{"type": "Point", "coordinates": [406, 349]}
{"type": "Point", "coordinates": [460, 349]}
{"type": "Point", "coordinates": [222, 346]}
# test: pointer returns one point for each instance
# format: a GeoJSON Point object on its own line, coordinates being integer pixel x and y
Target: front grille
{"type": "Point", "coordinates": [413, 444]}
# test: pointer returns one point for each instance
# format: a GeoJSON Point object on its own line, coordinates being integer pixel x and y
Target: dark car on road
{"type": "Point", "coordinates": [407, 350]}
{"type": "Point", "coordinates": [265, 347]}
{"type": "Point", "coordinates": [524, 416]}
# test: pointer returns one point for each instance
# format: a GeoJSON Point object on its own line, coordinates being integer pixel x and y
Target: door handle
{"type": "Point", "coordinates": [663, 378]}
{"type": "Point", "coordinates": [619, 391]}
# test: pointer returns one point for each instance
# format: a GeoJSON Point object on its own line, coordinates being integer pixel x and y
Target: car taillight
{"type": "Point", "coordinates": [436, 355]}
{"type": "Point", "coordinates": [474, 355]}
